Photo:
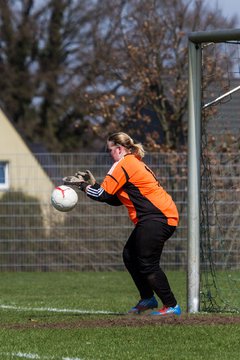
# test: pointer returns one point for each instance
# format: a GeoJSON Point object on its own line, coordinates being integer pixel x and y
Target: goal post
{"type": "Point", "coordinates": [195, 106]}
{"type": "Point", "coordinates": [194, 138]}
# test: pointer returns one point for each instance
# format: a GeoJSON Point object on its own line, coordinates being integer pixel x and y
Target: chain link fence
{"type": "Point", "coordinates": [36, 237]}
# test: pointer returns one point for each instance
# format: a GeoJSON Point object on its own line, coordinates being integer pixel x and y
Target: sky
{"type": "Point", "coordinates": [229, 8]}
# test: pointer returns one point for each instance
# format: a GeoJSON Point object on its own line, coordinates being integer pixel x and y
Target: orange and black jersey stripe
{"type": "Point", "coordinates": [131, 183]}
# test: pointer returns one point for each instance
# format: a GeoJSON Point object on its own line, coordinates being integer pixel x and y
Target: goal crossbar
{"type": "Point", "coordinates": [214, 36]}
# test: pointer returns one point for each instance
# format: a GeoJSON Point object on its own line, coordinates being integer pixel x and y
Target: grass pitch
{"type": "Point", "coordinates": [78, 316]}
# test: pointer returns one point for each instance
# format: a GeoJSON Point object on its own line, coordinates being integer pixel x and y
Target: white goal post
{"type": "Point", "coordinates": [195, 106]}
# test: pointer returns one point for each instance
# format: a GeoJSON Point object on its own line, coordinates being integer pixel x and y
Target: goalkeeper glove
{"type": "Point", "coordinates": [87, 176]}
{"type": "Point", "coordinates": [75, 180]}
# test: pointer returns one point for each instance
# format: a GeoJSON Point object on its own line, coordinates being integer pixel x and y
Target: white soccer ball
{"type": "Point", "coordinates": [64, 198]}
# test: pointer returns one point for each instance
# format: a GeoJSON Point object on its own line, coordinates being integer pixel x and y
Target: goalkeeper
{"type": "Point", "coordinates": [132, 183]}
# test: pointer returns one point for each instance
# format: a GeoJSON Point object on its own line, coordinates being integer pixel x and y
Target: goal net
{"type": "Point", "coordinates": [218, 159]}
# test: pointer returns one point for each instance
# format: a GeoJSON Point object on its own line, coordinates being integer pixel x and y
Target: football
{"type": "Point", "coordinates": [64, 198]}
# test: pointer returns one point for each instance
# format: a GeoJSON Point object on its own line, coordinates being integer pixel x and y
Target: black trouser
{"type": "Point", "coordinates": [141, 256]}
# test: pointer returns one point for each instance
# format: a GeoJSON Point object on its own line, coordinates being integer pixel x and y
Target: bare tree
{"type": "Point", "coordinates": [150, 67]}
{"type": "Point", "coordinates": [73, 71]}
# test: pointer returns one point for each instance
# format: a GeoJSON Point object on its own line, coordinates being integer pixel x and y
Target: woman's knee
{"type": "Point", "coordinates": [126, 256]}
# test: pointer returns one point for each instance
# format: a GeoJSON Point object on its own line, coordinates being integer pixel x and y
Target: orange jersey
{"type": "Point", "coordinates": [136, 186]}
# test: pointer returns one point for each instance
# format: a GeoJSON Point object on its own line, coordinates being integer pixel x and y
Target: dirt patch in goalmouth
{"type": "Point", "coordinates": [130, 321]}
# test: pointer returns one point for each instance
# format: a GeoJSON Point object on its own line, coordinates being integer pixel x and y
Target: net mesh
{"type": "Point", "coordinates": [220, 177]}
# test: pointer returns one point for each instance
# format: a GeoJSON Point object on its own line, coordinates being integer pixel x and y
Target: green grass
{"type": "Point", "coordinates": [34, 334]}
